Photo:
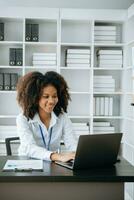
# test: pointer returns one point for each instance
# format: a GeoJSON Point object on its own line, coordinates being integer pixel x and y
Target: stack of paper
{"type": "Point", "coordinates": [81, 129]}
{"type": "Point", "coordinates": [44, 59]}
{"type": "Point", "coordinates": [105, 34]}
{"type": "Point", "coordinates": [109, 58]}
{"type": "Point", "coordinates": [78, 58]}
{"type": "Point", "coordinates": [23, 165]}
{"type": "Point", "coordinates": [103, 127]}
{"type": "Point", "coordinates": [104, 84]}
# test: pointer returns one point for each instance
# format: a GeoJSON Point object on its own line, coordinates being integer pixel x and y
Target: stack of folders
{"type": "Point", "coordinates": [109, 58]}
{"type": "Point", "coordinates": [81, 129]}
{"type": "Point", "coordinates": [32, 32]}
{"type": "Point", "coordinates": [103, 127]}
{"type": "Point", "coordinates": [8, 81]}
{"type": "Point", "coordinates": [104, 84]}
{"type": "Point", "coordinates": [103, 106]}
{"type": "Point", "coordinates": [77, 58]}
{"type": "Point", "coordinates": [105, 34]}
{"type": "Point", "coordinates": [15, 56]}
{"type": "Point", "coordinates": [1, 31]}
{"type": "Point", "coordinates": [44, 59]}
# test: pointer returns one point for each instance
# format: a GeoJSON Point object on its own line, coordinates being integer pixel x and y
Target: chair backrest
{"type": "Point", "coordinates": [8, 144]}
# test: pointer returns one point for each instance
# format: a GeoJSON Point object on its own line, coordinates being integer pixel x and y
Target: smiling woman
{"type": "Point", "coordinates": [44, 122]}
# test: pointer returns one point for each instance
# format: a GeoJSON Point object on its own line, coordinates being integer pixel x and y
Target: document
{"type": "Point", "coordinates": [23, 165]}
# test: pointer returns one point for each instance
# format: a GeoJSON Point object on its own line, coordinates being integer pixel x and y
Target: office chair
{"type": "Point", "coordinates": [8, 144]}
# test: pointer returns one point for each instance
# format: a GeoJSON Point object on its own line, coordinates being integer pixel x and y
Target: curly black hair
{"type": "Point", "coordinates": [30, 88]}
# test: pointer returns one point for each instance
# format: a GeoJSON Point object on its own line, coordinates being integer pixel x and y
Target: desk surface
{"type": "Point", "coordinates": [121, 172]}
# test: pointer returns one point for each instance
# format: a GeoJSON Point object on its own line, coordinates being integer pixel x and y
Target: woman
{"type": "Point", "coordinates": [44, 122]}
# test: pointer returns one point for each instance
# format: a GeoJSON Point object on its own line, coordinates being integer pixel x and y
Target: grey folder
{"type": "Point", "coordinates": [95, 151]}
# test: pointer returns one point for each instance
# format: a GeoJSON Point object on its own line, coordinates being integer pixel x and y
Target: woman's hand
{"type": "Point", "coordinates": [63, 157]}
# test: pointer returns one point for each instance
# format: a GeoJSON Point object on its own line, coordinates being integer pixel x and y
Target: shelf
{"type": "Point", "coordinates": [7, 92]}
{"type": "Point", "coordinates": [130, 43]}
{"type": "Point", "coordinates": [76, 44]}
{"type": "Point", "coordinates": [109, 44]}
{"type": "Point", "coordinates": [40, 43]}
{"type": "Point", "coordinates": [75, 68]}
{"type": "Point", "coordinates": [71, 92]}
{"type": "Point", "coordinates": [100, 68]}
{"type": "Point", "coordinates": [41, 67]}
{"type": "Point", "coordinates": [11, 42]}
{"type": "Point", "coordinates": [10, 67]}
{"type": "Point", "coordinates": [79, 117]}
{"type": "Point", "coordinates": [110, 93]}
{"type": "Point", "coordinates": [107, 117]}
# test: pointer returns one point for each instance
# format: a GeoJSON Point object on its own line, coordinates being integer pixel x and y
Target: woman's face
{"type": "Point", "coordinates": [49, 99]}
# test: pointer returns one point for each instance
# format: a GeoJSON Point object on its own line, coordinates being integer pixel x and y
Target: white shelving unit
{"type": "Point", "coordinates": [64, 29]}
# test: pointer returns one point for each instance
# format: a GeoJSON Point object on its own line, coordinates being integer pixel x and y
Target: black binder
{"type": "Point", "coordinates": [14, 80]}
{"type": "Point", "coordinates": [19, 57]}
{"type": "Point", "coordinates": [28, 32]}
{"type": "Point", "coordinates": [6, 81]}
{"type": "Point", "coordinates": [1, 81]}
{"type": "Point", "coordinates": [1, 31]}
{"type": "Point", "coordinates": [35, 32]}
{"type": "Point", "coordinates": [12, 56]}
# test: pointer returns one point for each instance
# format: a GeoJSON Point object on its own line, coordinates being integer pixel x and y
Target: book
{"type": "Point", "coordinates": [79, 61]}
{"type": "Point", "coordinates": [110, 62]}
{"type": "Point", "coordinates": [1, 81]}
{"type": "Point", "coordinates": [44, 58]}
{"type": "Point", "coordinates": [23, 165]}
{"type": "Point", "coordinates": [19, 56]}
{"type": "Point", "coordinates": [78, 56]}
{"type": "Point", "coordinates": [111, 106]}
{"type": "Point", "coordinates": [106, 102]}
{"type": "Point", "coordinates": [7, 82]}
{"type": "Point", "coordinates": [104, 85]}
{"type": "Point", "coordinates": [12, 56]}
{"type": "Point", "coordinates": [1, 31]}
{"type": "Point", "coordinates": [105, 32]}
{"type": "Point", "coordinates": [106, 41]}
{"type": "Point", "coordinates": [102, 106]}
{"type": "Point", "coordinates": [78, 51]}
{"type": "Point", "coordinates": [77, 65]}
{"type": "Point", "coordinates": [35, 32]}
{"type": "Point", "coordinates": [101, 124]}
{"type": "Point", "coordinates": [44, 54]}
{"type": "Point", "coordinates": [44, 62]}
{"type": "Point", "coordinates": [28, 36]}
{"type": "Point", "coordinates": [111, 52]}
{"type": "Point", "coordinates": [107, 28]}
{"type": "Point", "coordinates": [110, 57]}
{"type": "Point", "coordinates": [13, 80]}
{"type": "Point", "coordinates": [105, 37]}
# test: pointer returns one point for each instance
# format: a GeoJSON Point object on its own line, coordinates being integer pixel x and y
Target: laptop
{"type": "Point", "coordinates": [95, 151]}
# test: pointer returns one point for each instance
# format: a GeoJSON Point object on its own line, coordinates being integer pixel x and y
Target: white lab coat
{"type": "Point", "coordinates": [31, 140]}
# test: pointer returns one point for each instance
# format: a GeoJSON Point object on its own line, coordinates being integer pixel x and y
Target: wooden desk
{"type": "Point", "coordinates": [56, 182]}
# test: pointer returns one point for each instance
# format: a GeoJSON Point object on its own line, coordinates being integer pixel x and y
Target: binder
{"type": "Point", "coordinates": [19, 57]}
{"type": "Point", "coordinates": [12, 56]}
{"type": "Point", "coordinates": [28, 32]}
{"type": "Point", "coordinates": [13, 80]}
{"type": "Point", "coordinates": [6, 81]}
{"type": "Point", "coordinates": [35, 32]}
{"type": "Point", "coordinates": [1, 31]}
{"type": "Point", "coordinates": [1, 81]}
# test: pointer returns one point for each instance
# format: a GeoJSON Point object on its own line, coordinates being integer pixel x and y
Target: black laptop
{"type": "Point", "coordinates": [95, 151]}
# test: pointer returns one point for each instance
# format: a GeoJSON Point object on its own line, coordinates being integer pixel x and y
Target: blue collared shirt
{"type": "Point", "coordinates": [32, 144]}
